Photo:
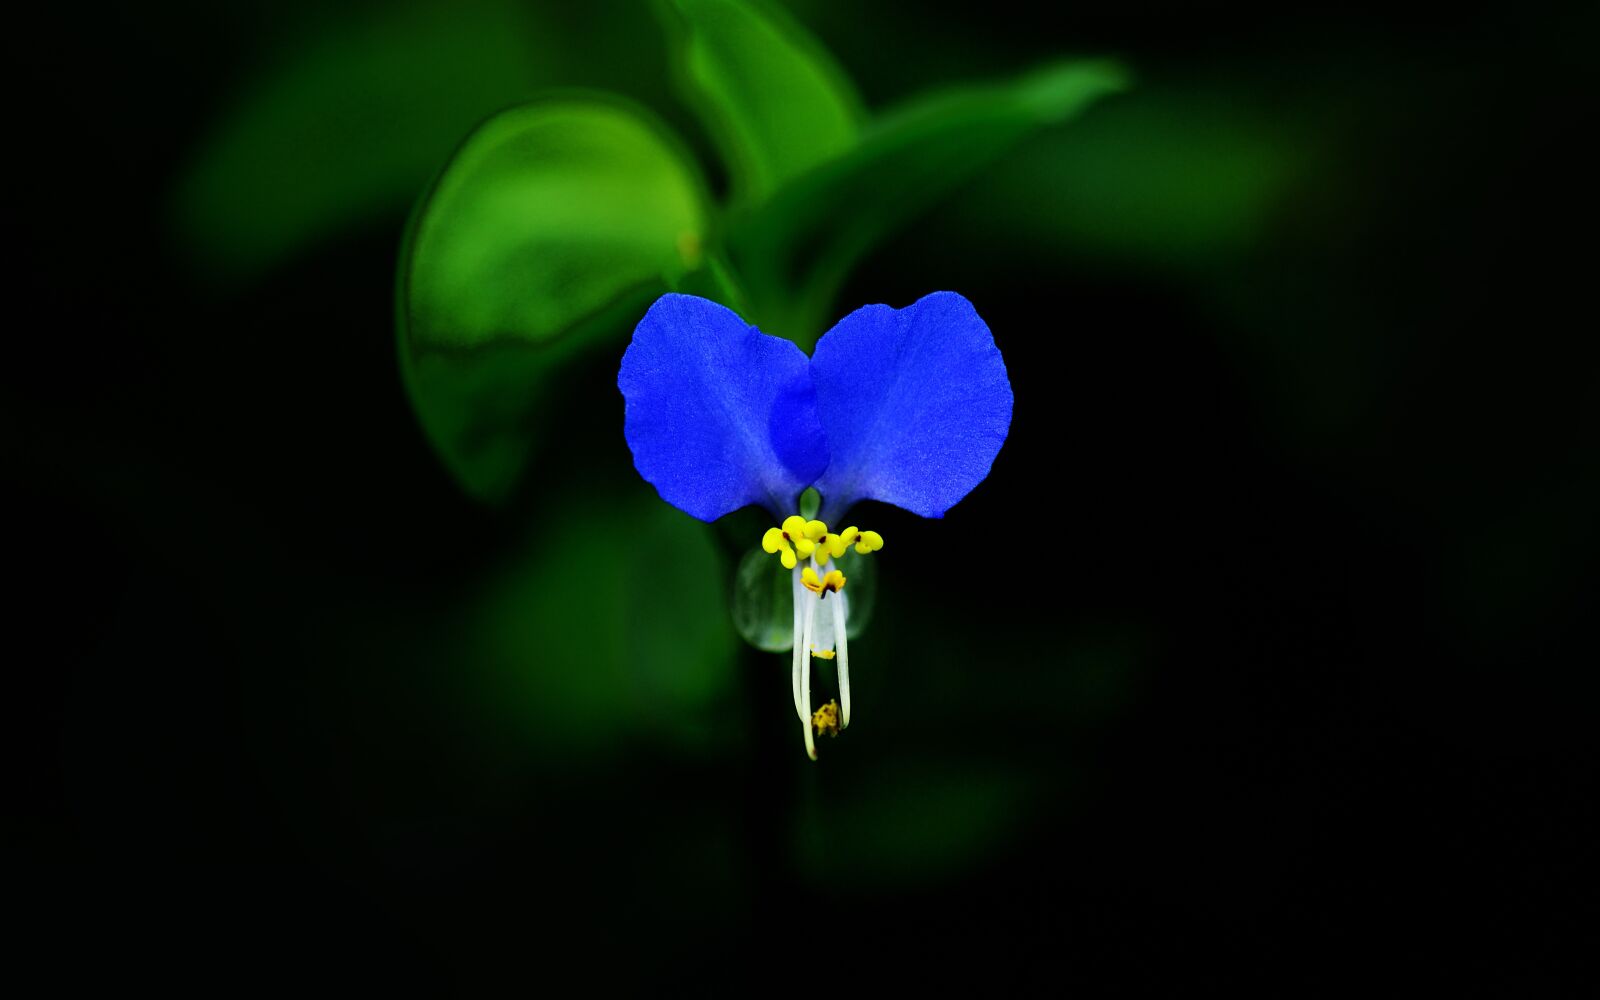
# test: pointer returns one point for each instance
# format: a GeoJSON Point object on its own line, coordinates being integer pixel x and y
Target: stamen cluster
{"type": "Point", "coordinates": [792, 541]}
{"type": "Point", "coordinates": [797, 536]}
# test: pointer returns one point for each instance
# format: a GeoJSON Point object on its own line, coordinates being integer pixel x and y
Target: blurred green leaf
{"type": "Point", "coordinates": [591, 640]}
{"type": "Point", "coordinates": [348, 125]}
{"type": "Point", "coordinates": [763, 602]}
{"type": "Point", "coordinates": [551, 227]}
{"type": "Point", "coordinates": [796, 251]}
{"type": "Point", "coordinates": [1162, 176]}
{"type": "Point", "coordinates": [904, 821]}
{"type": "Point", "coordinates": [773, 100]}
{"type": "Point", "coordinates": [763, 598]}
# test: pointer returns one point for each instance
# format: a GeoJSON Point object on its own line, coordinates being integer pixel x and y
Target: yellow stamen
{"type": "Point", "coordinates": [825, 720]}
{"type": "Point", "coordinates": [831, 546]}
{"type": "Point", "coordinates": [790, 541]}
{"type": "Point", "coordinates": [822, 654]}
{"type": "Point", "coordinates": [796, 530]}
{"type": "Point", "coordinates": [832, 583]}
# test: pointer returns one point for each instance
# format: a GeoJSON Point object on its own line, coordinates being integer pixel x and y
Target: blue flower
{"type": "Point", "coordinates": [904, 406]}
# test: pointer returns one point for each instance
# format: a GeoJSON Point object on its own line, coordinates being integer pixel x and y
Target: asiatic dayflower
{"type": "Point", "coordinates": [905, 406]}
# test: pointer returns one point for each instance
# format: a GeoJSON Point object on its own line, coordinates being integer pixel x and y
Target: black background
{"type": "Point", "coordinates": [1356, 751]}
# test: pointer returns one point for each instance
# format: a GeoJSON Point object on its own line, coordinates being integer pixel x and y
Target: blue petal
{"type": "Point", "coordinates": [718, 415]}
{"type": "Point", "coordinates": [915, 403]}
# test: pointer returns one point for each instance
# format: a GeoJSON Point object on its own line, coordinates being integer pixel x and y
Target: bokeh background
{"type": "Point", "coordinates": [1262, 657]}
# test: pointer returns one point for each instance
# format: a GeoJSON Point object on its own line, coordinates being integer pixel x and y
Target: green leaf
{"type": "Point", "coordinates": [900, 820]}
{"type": "Point", "coordinates": [763, 598]}
{"type": "Point", "coordinates": [550, 229]}
{"type": "Point", "coordinates": [763, 602]}
{"type": "Point", "coordinates": [588, 641]}
{"type": "Point", "coordinates": [773, 100]}
{"type": "Point", "coordinates": [796, 251]}
{"type": "Point", "coordinates": [1168, 177]}
{"type": "Point", "coordinates": [346, 124]}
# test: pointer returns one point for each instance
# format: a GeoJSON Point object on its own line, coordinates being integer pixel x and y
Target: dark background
{"type": "Point", "coordinates": [1262, 658]}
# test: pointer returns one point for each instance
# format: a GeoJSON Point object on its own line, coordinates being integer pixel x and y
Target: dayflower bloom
{"type": "Point", "coordinates": [904, 406]}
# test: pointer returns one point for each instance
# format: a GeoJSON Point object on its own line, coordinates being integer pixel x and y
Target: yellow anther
{"type": "Point", "coordinates": [825, 720]}
{"type": "Point", "coordinates": [798, 539]}
{"type": "Point", "coordinates": [775, 540]}
{"type": "Point", "coordinates": [832, 583]}
{"type": "Point", "coordinates": [822, 654]}
{"type": "Point", "coordinates": [794, 532]}
{"type": "Point", "coordinates": [790, 540]}
{"type": "Point", "coordinates": [833, 546]}
{"type": "Point", "coordinates": [836, 544]}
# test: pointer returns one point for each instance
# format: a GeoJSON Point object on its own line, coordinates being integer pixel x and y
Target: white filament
{"type": "Point", "coordinates": [805, 675]}
{"type": "Point", "coordinates": [842, 641]}
{"type": "Point", "coordinates": [800, 648]}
